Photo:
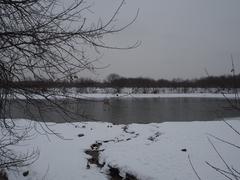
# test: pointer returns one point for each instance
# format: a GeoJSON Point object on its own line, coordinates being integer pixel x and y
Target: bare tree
{"type": "Point", "coordinates": [112, 77]}
{"type": "Point", "coordinates": [228, 171]}
{"type": "Point", "coordinates": [43, 39]}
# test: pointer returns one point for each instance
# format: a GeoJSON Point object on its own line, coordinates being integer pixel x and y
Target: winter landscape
{"type": "Point", "coordinates": [100, 150]}
{"type": "Point", "coordinates": [119, 90]}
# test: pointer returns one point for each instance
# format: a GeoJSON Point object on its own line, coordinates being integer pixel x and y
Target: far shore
{"type": "Point", "coordinates": [163, 95]}
{"type": "Point", "coordinates": [102, 96]}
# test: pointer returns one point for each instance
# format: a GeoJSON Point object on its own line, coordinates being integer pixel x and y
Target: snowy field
{"type": "Point", "coordinates": [168, 151]}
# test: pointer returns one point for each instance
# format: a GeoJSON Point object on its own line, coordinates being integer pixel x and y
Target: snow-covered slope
{"type": "Point", "coordinates": [147, 151]}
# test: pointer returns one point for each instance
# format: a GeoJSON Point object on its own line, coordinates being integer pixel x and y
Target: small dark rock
{"type": "Point", "coordinates": [25, 173]}
{"type": "Point", "coordinates": [80, 135]}
{"type": "Point", "coordinates": [83, 126]}
{"type": "Point", "coordinates": [184, 150]}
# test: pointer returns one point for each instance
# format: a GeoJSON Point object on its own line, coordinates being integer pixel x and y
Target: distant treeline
{"type": "Point", "coordinates": [206, 82]}
{"type": "Point", "coordinates": [117, 81]}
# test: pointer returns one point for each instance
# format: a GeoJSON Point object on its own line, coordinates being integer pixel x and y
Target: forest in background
{"type": "Point", "coordinates": [116, 81]}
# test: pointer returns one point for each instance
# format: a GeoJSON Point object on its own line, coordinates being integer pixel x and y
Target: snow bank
{"type": "Point", "coordinates": [147, 151]}
{"type": "Point", "coordinates": [102, 93]}
{"type": "Point", "coordinates": [178, 95]}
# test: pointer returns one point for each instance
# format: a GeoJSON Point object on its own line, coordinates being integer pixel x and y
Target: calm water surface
{"type": "Point", "coordinates": [125, 111]}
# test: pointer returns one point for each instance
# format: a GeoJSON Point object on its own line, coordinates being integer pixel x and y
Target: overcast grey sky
{"type": "Point", "coordinates": [180, 38]}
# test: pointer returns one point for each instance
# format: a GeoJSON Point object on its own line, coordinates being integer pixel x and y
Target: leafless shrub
{"type": "Point", "coordinates": [42, 39]}
{"type": "Point", "coordinates": [229, 172]}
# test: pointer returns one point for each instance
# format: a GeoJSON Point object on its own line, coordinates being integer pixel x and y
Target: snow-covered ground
{"type": "Point", "coordinates": [147, 151]}
{"type": "Point", "coordinates": [133, 93]}
{"type": "Point", "coordinates": [128, 95]}
{"type": "Point", "coordinates": [149, 90]}
{"type": "Point", "coordinates": [174, 95]}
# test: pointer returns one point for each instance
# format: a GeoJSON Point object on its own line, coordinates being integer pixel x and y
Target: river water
{"type": "Point", "coordinates": [125, 110]}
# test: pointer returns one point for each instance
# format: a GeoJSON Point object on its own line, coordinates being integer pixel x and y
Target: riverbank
{"type": "Point", "coordinates": [104, 96]}
{"type": "Point", "coordinates": [104, 93]}
{"type": "Point", "coordinates": [170, 150]}
{"type": "Point", "coordinates": [164, 95]}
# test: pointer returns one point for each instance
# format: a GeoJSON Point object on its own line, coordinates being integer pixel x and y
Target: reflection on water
{"type": "Point", "coordinates": [125, 111]}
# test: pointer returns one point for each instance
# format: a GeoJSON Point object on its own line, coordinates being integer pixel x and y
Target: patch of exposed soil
{"type": "Point", "coordinates": [155, 136]}
{"type": "Point", "coordinates": [125, 129]}
{"type": "Point", "coordinates": [3, 175]}
{"type": "Point", "coordinates": [94, 152]}
{"type": "Point", "coordinates": [114, 174]}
